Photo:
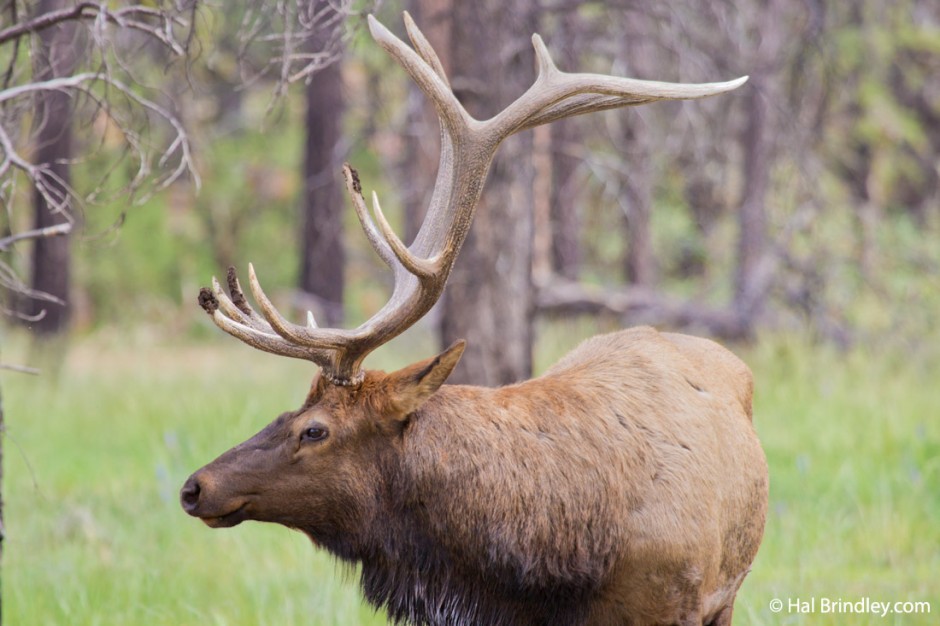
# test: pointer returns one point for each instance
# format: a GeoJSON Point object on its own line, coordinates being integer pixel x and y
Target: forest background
{"type": "Point", "coordinates": [796, 219]}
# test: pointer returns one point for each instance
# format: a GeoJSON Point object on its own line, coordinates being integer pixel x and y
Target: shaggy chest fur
{"type": "Point", "coordinates": [433, 590]}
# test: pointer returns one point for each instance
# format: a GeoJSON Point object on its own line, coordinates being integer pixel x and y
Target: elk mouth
{"type": "Point", "coordinates": [228, 520]}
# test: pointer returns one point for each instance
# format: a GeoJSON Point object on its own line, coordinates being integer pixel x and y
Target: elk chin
{"type": "Point", "coordinates": [228, 520]}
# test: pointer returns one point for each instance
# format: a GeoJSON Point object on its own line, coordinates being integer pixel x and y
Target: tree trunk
{"type": "Point", "coordinates": [758, 147]}
{"type": "Point", "coordinates": [752, 235]}
{"type": "Point", "coordinates": [323, 256]}
{"type": "Point", "coordinates": [639, 57]}
{"type": "Point", "coordinates": [52, 258]}
{"type": "Point", "coordinates": [565, 210]}
{"type": "Point", "coordinates": [489, 298]}
{"type": "Point", "coordinates": [640, 265]}
{"type": "Point", "coordinates": [564, 203]}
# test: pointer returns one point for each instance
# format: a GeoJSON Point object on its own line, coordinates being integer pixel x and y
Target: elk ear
{"type": "Point", "coordinates": [316, 389]}
{"type": "Point", "coordinates": [411, 386]}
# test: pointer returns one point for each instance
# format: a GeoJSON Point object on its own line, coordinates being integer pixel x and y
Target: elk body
{"type": "Point", "coordinates": [624, 486]}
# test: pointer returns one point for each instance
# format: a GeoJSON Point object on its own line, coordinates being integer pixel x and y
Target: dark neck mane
{"type": "Point", "coordinates": [421, 582]}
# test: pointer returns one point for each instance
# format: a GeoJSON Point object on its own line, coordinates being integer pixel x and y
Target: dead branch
{"type": "Point", "coordinates": [637, 305]}
{"type": "Point", "coordinates": [39, 233]}
{"type": "Point", "coordinates": [123, 18]}
{"type": "Point", "coordinates": [289, 42]}
{"type": "Point", "coordinates": [22, 369]}
{"type": "Point", "coordinates": [90, 71]}
{"type": "Point", "coordinates": [59, 195]}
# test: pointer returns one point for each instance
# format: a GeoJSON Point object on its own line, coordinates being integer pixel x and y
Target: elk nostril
{"type": "Point", "coordinates": [189, 494]}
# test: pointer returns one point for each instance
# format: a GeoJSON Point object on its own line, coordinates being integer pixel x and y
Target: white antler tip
{"type": "Point", "coordinates": [377, 29]}
{"type": "Point", "coordinates": [542, 57]}
{"type": "Point", "coordinates": [311, 322]}
{"type": "Point", "coordinates": [729, 85]}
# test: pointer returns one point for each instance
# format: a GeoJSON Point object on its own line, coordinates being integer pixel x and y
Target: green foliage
{"type": "Point", "coordinates": [883, 118]}
{"type": "Point", "coordinates": [142, 263]}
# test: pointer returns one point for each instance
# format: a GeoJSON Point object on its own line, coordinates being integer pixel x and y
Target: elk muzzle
{"type": "Point", "coordinates": [200, 498]}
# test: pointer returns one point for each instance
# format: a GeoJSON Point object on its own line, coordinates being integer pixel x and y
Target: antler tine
{"type": "Point", "coordinates": [632, 92]}
{"type": "Point", "coordinates": [556, 94]}
{"type": "Point", "coordinates": [321, 339]}
{"type": "Point", "coordinates": [227, 306]}
{"type": "Point", "coordinates": [425, 73]}
{"type": "Point", "coordinates": [354, 187]}
{"type": "Point", "coordinates": [424, 49]}
{"type": "Point", "coordinates": [543, 60]}
{"type": "Point", "coordinates": [253, 336]}
{"type": "Point", "coordinates": [263, 341]}
{"type": "Point", "coordinates": [391, 247]}
{"type": "Point", "coordinates": [415, 265]}
{"type": "Point", "coordinates": [328, 348]}
{"type": "Point", "coordinates": [238, 296]}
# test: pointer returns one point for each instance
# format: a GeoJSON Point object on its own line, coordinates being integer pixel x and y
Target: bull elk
{"type": "Point", "coordinates": [626, 485]}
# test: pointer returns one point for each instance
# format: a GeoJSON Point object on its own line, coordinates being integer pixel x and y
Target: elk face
{"type": "Point", "coordinates": [318, 469]}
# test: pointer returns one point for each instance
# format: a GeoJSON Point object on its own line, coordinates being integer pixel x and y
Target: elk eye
{"type": "Point", "coordinates": [315, 433]}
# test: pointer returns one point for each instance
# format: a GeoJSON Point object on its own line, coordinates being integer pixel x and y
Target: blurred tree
{"type": "Point", "coordinates": [881, 129]}
{"type": "Point", "coordinates": [56, 56]}
{"type": "Point", "coordinates": [267, 47]}
{"type": "Point", "coordinates": [489, 295]}
{"type": "Point", "coordinates": [721, 154]}
{"type": "Point", "coordinates": [637, 58]}
{"type": "Point", "coordinates": [43, 92]}
{"type": "Point", "coordinates": [564, 200]}
{"type": "Point", "coordinates": [758, 146]}
{"type": "Point", "coordinates": [322, 255]}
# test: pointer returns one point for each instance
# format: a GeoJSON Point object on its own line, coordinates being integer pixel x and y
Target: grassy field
{"type": "Point", "coordinates": [95, 456]}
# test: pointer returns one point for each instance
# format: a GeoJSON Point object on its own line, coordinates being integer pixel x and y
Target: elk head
{"type": "Point", "coordinates": [317, 468]}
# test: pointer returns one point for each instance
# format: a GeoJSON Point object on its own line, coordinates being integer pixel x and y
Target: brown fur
{"type": "Point", "coordinates": [624, 486]}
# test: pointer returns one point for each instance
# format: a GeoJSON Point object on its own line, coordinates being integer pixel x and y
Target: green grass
{"type": "Point", "coordinates": [853, 444]}
{"type": "Point", "coordinates": [94, 459]}
{"type": "Point", "coordinates": [94, 462]}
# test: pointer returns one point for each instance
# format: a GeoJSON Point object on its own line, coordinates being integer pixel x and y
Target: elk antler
{"type": "Point", "coordinates": [467, 148]}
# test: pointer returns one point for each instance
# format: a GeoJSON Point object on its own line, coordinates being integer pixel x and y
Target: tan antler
{"type": "Point", "coordinates": [467, 148]}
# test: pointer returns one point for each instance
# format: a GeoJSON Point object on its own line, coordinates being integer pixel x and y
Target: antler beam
{"type": "Point", "coordinates": [467, 149]}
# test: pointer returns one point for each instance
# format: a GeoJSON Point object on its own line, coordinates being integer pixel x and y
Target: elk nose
{"type": "Point", "coordinates": [189, 494]}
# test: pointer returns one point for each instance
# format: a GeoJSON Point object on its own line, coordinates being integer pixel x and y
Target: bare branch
{"type": "Point", "coordinates": [179, 148]}
{"type": "Point", "coordinates": [46, 20]}
{"type": "Point", "coordinates": [291, 41]}
{"type": "Point", "coordinates": [39, 233]}
{"type": "Point", "coordinates": [22, 369]}
{"type": "Point", "coordinates": [99, 12]}
{"type": "Point", "coordinates": [636, 305]}
{"type": "Point", "coordinates": [105, 88]}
